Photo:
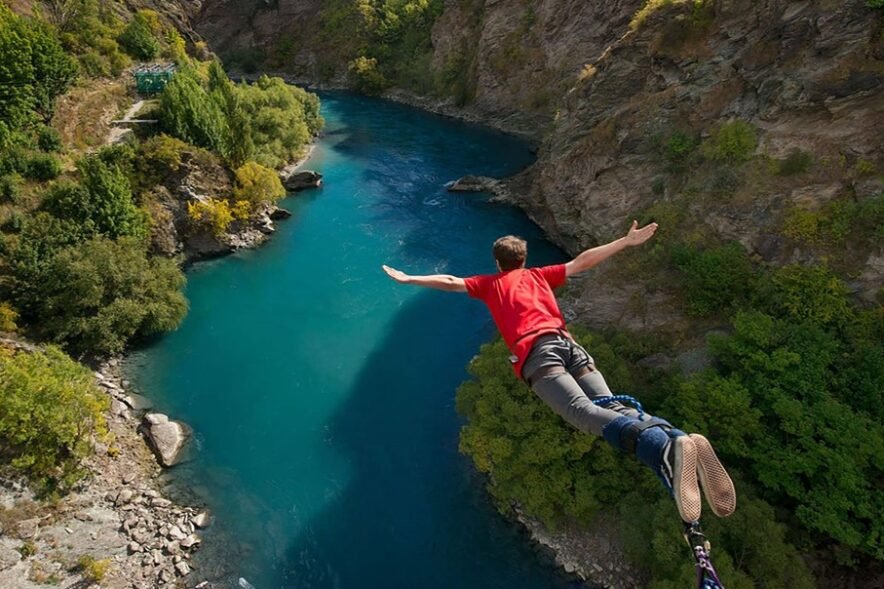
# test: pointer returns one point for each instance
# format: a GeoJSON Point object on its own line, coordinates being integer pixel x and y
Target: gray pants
{"type": "Point", "coordinates": [568, 396]}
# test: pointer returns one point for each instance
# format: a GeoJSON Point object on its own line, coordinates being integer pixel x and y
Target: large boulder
{"type": "Point", "coordinates": [165, 437]}
{"type": "Point", "coordinates": [470, 183]}
{"type": "Point", "coordinates": [302, 180]}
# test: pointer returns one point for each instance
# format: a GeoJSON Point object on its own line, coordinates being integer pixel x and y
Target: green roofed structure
{"type": "Point", "coordinates": [152, 78]}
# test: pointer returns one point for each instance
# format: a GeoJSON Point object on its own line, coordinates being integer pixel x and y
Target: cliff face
{"type": "Point", "coordinates": [608, 86]}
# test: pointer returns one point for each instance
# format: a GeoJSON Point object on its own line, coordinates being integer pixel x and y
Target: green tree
{"type": "Point", "coordinates": [139, 39]}
{"type": "Point", "coordinates": [257, 184]}
{"type": "Point", "coordinates": [26, 258]}
{"type": "Point", "coordinates": [188, 112]}
{"type": "Point", "coordinates": [100, 294]}
{"type": "Point", "coordinates": [49, 411]}
{"type": "Point", "coordinates": [102, 203]}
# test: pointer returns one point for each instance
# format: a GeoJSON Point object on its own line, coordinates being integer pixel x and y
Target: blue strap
{"type": "Point", "coordinates": [620, 399]}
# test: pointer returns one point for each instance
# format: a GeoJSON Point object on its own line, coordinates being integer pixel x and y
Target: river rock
{"type": "Point", "coordinates": [138, 402]}
{"type": "Point", "coordinates": [302, 180]}
{"type": "Point", "coordinates": [27, 529]}
{"type": "Point", "coordinates": [166, 438]}
{"type": "Point", "coordinates": [191, 540]}
{"type": "Point", "coordinates": [471, 183]}
{"type": "Point", "coordinates": [280, 213]}
{"type": "Point", "coordinates": [202, 520]}
{"type": "Point", "coordinates": [8, 557]}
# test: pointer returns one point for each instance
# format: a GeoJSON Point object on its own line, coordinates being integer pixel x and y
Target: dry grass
{"type": "Point", "coordinates": [83, 115]}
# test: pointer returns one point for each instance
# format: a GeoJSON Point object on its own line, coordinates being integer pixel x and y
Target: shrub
{"type": "Point", "coordinates": [8, 316]}
{"type": "Point", "coordinates": [257, 184]}
{"type": "Point", "coordinates": [731, 142]}
{"type": "Point", "coordinates": [188, 112]}
{"type": "Point", "coordinates": [678, 148]}
{"type": "Point", "coordinates": [795, 162]}
{"type": "Point", "coordinates": [215, 214]}
{"type": "Point", "coordinates": [102, 203]}
{"type": "Point", "coordinates": [160, 155]}
{"type": "Point", "coordinates": [365, 76]}
{"type": "Point", "coordinates": [43, 166]}
{"type": "Point", "coordinates": [714, 279]}
{"type": "Point", "coordinates": [10, 188]}
{"type": "Point", "coordinates": [48, 139]}
{"type": "Point", "coordinates": [139, 39]}
{"type": "Point", "coordinates": [93, 570]}
{"type": "Point", "coordinates": [100, 294]}
{"type": "Point", "coordinates": [49, 412]}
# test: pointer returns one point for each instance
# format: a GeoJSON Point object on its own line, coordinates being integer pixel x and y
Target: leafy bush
{"type": "Point", "coordinates": [268, 121]}
{"type": "Point", "coordinates": [43, 166]}
{"type": "Point", "coordinates": [27, 256]}
{"type": "Point", "coordinates": [678, 148]}
{"type": "Point", "coordinates": [101, 203]}
{"type": "Point", "coordinates": [190, 114]}
{"type": "Point", "coordinates": [714, 279]}
{"type": "Point", "coordinates": [139, 37]}
{"type": "Point", "coordinates": [838, 221]}
{"type": "Point", "coordinates": [158, 156]}
{"type": "Point", "coordinates": [10, 188]}
{"type": "Point", "coordinates": [34, 69]}
{"type": "Point", "coordinates": [215, 214]}
{"type": "Point", "coordinates": [365, 77]}
{"type": "Point", "coordinates": [48, 139]}
{"type": "Point", "coordinates": [93, 570]}
{"type": "Point", "coordinates": [49, 411]}
{"type": "Point", "coordinates": [8, 316]}
{"type": "Point", "coordinates": [732, 142]}
{"type": "Point", "coordinates": [100, 294]}
{"type": "Point", "coordinates": [257, 184]}
{"type": "Point", "coordinates": [281, 119]}
{"type": "Point", "coordinates": [795, 162]}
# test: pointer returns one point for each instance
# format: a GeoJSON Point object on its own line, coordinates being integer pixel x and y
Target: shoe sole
{"type": "Point", "coordinates": [716, 484]}
{"type": "Point", "coordinates": [685, 489]}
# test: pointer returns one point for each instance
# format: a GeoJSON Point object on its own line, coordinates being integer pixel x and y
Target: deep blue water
{"type": "Point", "coordinates": [322, 393]}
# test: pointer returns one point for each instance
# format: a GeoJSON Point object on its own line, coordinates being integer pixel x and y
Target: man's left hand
{"type": "Point", "coordinates": [637, 236]}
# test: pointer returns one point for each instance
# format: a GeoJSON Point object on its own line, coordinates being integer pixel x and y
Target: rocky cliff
{"type": "Point", "coordinates": [628, 99]}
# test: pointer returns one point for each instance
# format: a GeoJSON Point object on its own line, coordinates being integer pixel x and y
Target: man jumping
{"type": "Point", "coordinates": [564, 375]}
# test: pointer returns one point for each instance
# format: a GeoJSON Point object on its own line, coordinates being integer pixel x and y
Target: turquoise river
{"type": "Point", "coordinates": [321, 393]}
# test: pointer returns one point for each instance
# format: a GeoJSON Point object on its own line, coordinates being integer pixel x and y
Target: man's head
{"type": "Point", "coordinates": [510, 252]}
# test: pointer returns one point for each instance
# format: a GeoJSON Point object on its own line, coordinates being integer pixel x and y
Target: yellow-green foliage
{"type": "Point", "coordinates": [839, 221]}
{"type": "Point", "coordinates": [731, 142]}
{"type": "Point", "coordinates": [93, 569]}
{"type": "Point", "coordinates": [160, 153]}
{"type": "Point", "coordinates": [215, 214]}
{"type": "Point", "coordinates": [49, 411]}
{"type": "Point", "coordinates": [364, 75]}
{"type": "Point", "coordinates": [8, 315]}
{"type": "Point", "coordinates": [257, 184]}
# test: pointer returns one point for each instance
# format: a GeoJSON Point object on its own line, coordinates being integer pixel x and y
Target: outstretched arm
{"type": "Point", "coordinates": [438, 281]}
{"type": "Point", "coordinates": [594, 256]}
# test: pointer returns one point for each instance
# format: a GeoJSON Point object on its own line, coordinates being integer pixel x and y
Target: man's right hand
{"type": "Point", "coordinates": [397, 275]}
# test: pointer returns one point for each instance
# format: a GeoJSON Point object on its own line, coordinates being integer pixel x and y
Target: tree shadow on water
{"type": "Point", "coordinates": [414, 513]}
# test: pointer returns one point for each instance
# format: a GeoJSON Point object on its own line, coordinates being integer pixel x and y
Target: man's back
{"type": "Point", "coordinates": [522, 304]}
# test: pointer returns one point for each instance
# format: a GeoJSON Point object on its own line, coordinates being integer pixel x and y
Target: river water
{"type": "Point", "coordinates": [321, 393]}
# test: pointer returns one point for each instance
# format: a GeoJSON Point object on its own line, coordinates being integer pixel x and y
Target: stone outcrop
{"type": "Point", "coordinates": [302, 180]}
{"type": "Point", "coordinates": [199, 178]}
{"type": "Point", "coordinates": [166, 437]}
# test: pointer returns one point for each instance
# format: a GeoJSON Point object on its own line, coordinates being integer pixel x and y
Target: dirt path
{"type": "Point", "coordinates": [118, 132]}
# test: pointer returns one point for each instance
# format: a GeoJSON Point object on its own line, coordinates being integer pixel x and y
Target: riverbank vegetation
{"type": "Point", "coordinates": [80, 224]}
{"type": "Point", "coordinates": [791, 401]}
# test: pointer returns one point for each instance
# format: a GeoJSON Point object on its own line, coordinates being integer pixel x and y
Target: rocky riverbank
{"type": "Point", "coordinates": [117, 527]}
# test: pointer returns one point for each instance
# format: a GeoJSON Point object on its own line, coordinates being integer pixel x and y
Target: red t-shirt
{"type": "Point", "coordinates": [522, 305]}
